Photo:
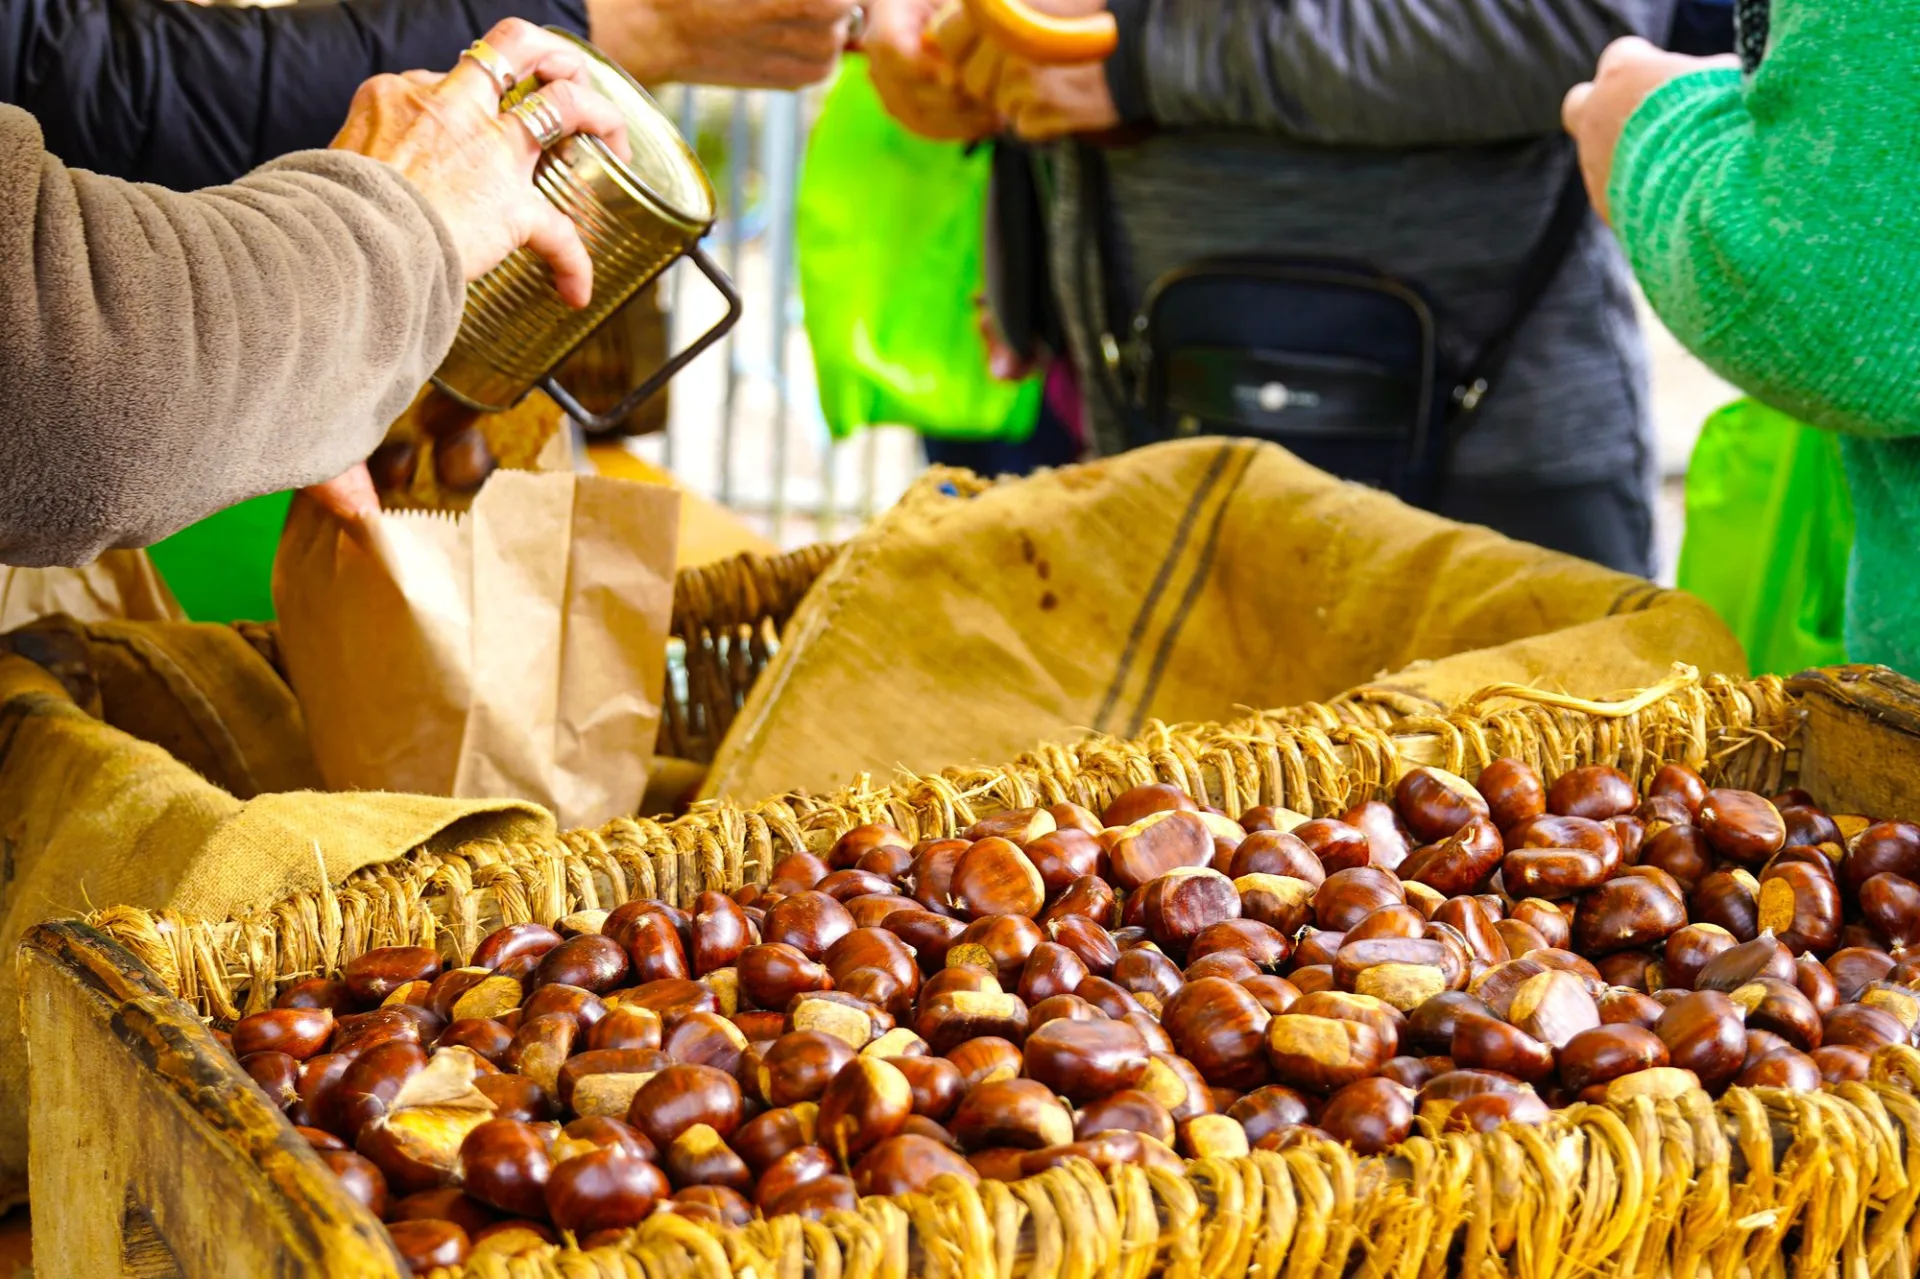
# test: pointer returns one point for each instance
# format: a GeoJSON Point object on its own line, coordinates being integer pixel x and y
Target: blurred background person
{"type": "Point", "coordinates": [1769, 215]}
{"type": "Point", "coordinates": [191, 95]}
{"type": "Point", "coordinates": [1324, 136]}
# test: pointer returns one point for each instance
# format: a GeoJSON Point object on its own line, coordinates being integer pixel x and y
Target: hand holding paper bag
{"type": "Point", "coordinates": [516, 650]}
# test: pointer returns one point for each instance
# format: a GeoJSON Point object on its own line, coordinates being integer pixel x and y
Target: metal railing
{"type": "Point", "coordinates": [745, 426]}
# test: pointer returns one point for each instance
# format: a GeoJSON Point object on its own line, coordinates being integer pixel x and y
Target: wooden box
{"type": "Point", "coordinates": [154, 1156]}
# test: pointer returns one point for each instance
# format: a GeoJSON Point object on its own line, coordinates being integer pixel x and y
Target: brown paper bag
{"type": "Point", "coordinates": [120, 585]}
{"type": "Point", "coordinates": [1183, 582]}
{"type": "Point", "coordinates": [518, 649]}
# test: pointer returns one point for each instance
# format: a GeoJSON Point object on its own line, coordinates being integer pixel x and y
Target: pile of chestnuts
{"type": "Point", "coordinates": [1156, 982]}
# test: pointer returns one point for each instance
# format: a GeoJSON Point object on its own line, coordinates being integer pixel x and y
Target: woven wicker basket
{"type": "Point", "coordinates": [1759, 1182]}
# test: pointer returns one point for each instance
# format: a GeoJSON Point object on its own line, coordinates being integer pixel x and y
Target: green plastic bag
{"type": "Point", "coordinates": [1769, 530]}
{"type": "Point", "coordinates": [221, 569]}
{"type": "Point", "coordinates": [890, 235]}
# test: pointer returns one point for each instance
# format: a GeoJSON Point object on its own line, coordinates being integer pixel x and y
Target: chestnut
{"type": "Point", "coordinates": [1323, 1054]}
{"type": "Point", "coordinates": [373, 976]}
{"type": "Point", "coordinates": [1429, 1027]}
{"type": "Point", "coordinates": [1050, 970]}
{"type": "Point", "coordinates": [681, 1096]}
{"type": "Point", "coordinates": [720, 934]}
{"type": "Point", "coordinates": [932, 871]}
{"type": "Point", "coordinates": [945, 1021]}
{"type": "Point", "coordinates": [1801, 906]}
{"type": "Point", "coordinates": [1064, 856]}
{"type": "Point", "coordinates": [1387, 842]}
{"type": "Point", "coordinates": [873, 948]}
{"type": "Point", "coordinates": [1549, 920]}
{"type": "Point", "coordinates": [1859, 1026]}
{"type": "Point", "coordinates": [369, 1085]}
{"type": "Point", "coordinates": [1348, 896]}
{"type": "Point", "coordinates": [1855, 967]}
{"type": "Point", "coordinates": [1883, 846]}
{"type": "Point", "coordinates": [1338, 845]}
{"type": "Point", "coordinates": [1891, 903]}
{"type": "Point", "coordinates": [1011, 1112]}
{"type": "Point", "coordinates": [1274, 853]}
{"type": "Point", "coordinates": [512, 941]}
{"type": "Point", "coordinates": [1129, 1109]}
{"type": "Point", "coordinates": [837, 1013]}
{"type": "Point", "coordinates": [1554, 1008]}
{"type": "Point", "coordinates": [1369, 1114]}
{"type": "Point", "coordinates": [1478, 927]}
{"type": "Point", "coordinates": [993, 877]}
{"type": "Point", "coordinates": [1604, 1053]}
{"type": "Point", "coordinates": [1742, 826]}
{"type": "Point", "coordinates": [1090, 943]}
{"type": "Point", "coordinates": [808, 921]}
{"type": "Point", "coordinates": [1486, 1112]}
{"type": "Point", "coordinates": [1280, 902]}
{"type": "Point", "coordinates": [1132, 805]}
{"type": "Point", "coordinates": [1483, 1043]}
{"type": "Point", "coordinates": [1088, 897]}
{"type": "Point", "coordinates": [1157, 843]}
{"type": "Point", "coordinates": [1552, 873]}
{"type": "Point", "coordinates": [1435, 803]}
{"type": "Point", "coordinates": [277, 1074]}
{"type": "Point", "coordinates": [1458, 863]}
{"type": "Point", "coordinates": [627, 1026]}
{"type": "Point", "coordinates": [1623, 1007]}
{"type": "Point", "coordinates": [867, 1102]}
{"type": "Point", "coordinates": [1513, 791]}
{"type": "Point", "coordinates": [795, 1168]}
{"type": "Point", "coordinates": [908, 1164]}
{"type": "Point", "coordinates": [1182, 903]}
{"type": "Point", "coordinates": [607, 1188]}
{"type": "Point", "coordinates": [698, 1157]}
{"type": "Point", "coordinates": [1003, 940]}
{"type": "Point", "coordinates": [769, 1136]}
{"type": "Point", "coordinates": [444, 1204]}
{"type": "Point", "coordinates": [1842, 1063]}
{"type": "Point", "coordinates": [598, 963]}
{"type": "Point", "coordinates": [1517, 938]}
{"type": "Point", "coordinates": [1085, 1060]}
{"type": "Point", "coordinates": [1778, 1007]}
{"type": "Point", "coordinates": [1682, 784]}
{"type": "Point", "coordinates": [1682, 852]}
{"type": "Point", "coordinates": [799, 1066]}
{"type": "Point", "coordinates": [983, 1058]}
{"type": "Point", "coordinates": [505, 1163]}
{"type": "Point", "coordinates": [861, 840]}
{"type": "Point", "coordinates": [1625, 913]}
{"type": "Point", "coordinates": [1595, 792]}
{"type": "Point", "coordinates": [1739, 964]}
{"type": "Point", "coordinates": [772, 973]}
{"type": "Point", "coordinates": [298, 1033]}
{"type": "Point", "coordinates": [358, 1176]}
{"type": "Point", "coordinates": [814, 1199]}
{"type": "Point", "coordinates": [847, 886]}
{"type": "Point", "coordinates": [1220, 1027]}
{"type": "Point", "coordinates": [936, 1084]}
{"type": "Point", "coordinates": [1789, 1068]}
{"type": "Point", "coordinates": [1816, 983]}
{"type": "Point", "coordinates": [318, 992]}
{"type": "Point", "coordinates": [1704, 1032]}
{"type": "Point", "coordinates": [1173, 1081]}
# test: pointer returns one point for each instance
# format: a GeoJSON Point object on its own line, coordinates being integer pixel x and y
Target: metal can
{"type": "Point", "coordinates": [636, 219]}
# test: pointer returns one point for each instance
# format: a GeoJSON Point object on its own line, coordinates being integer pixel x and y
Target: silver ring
{"type": "Point", "coordinates": [491, 61]}
{"type": "Point", "coordinates": [540, 118]}
{"type": "Point", "coordinates": [856, 25]}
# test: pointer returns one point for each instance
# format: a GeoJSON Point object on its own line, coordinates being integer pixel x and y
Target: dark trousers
{"type": "Point", "coordinates": [1608, 521]}
{"type": "Point", "coordinates": [1051, 444]}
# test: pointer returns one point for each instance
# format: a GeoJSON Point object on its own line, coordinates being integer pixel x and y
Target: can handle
{"type": "Point", "coordinates": [613, 417]}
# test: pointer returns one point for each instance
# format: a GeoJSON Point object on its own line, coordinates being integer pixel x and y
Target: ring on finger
{"type": "Point", "coordinates": [540, 118]}
{"type": "Point", "coordinates": [856, 25]}
{"type": "Point", "coordinates": [495, 64]}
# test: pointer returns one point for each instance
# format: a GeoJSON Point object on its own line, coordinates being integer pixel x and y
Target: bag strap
{"type": "Point", "coordinates": [1550, 251]}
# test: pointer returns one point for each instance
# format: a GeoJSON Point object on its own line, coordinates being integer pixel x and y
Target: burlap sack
{"type": "Point", "coordinates": [89, 816]}
{"type": "Point", "coordinates": [1177, 583]}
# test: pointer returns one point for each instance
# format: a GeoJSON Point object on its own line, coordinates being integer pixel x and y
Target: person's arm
{"type": "Point", "coordinates": [192, 95]}
{"type": "Point", "coordinates": [1386, 73]}
{"type": "Point", "coordinates": [165, 354]}
{"type": "Point", "coordinates": [1773, 223]}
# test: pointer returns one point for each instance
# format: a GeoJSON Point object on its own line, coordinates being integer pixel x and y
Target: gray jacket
{"type": "Point", "coordinates": [1422, 136]}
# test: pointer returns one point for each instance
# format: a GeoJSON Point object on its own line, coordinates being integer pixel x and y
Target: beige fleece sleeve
{"type": "Point", "coordinates": [163, 355]}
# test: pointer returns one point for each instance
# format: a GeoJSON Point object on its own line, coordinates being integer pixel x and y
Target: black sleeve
{"type": "Point", "coordinates": [190, 95]}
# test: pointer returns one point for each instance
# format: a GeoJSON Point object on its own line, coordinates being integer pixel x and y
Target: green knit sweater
{"type": "Point", "coordinates": [1775, 225]}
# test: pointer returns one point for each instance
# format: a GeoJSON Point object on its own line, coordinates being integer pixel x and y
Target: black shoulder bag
{"type": "Point", "coordinates": [1337, 362]}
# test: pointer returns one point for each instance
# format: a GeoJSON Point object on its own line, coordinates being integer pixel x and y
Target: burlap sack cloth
{"type": "Point", "coordinates": [91, 815]}
{"type": "Point", "coordinates": [1177, 583]}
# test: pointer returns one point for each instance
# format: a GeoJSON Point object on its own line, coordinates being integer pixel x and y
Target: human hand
{"type": "Point", "coordinates": [919, 85]}
{"type": "Point", "coordinates": [1596, 113]}
{"type": "Point", "coordinates": [473, 164]}
{"type": "Point", "coordinates": [349, 497]}
{"type": "Point", "coordinates": [750, 44]}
